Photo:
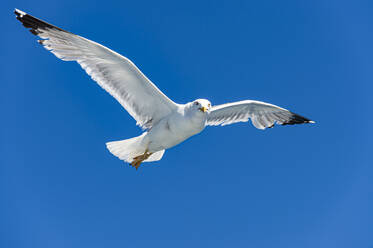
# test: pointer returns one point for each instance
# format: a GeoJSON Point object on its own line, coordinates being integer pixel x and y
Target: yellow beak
{"type": "Point", "coordinates": [203, 109]}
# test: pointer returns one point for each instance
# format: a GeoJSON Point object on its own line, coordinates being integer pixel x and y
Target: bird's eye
{"type": "Point", "coordinates": [195, 103]}
{"type": "Point", "coordinates": [209, 105]}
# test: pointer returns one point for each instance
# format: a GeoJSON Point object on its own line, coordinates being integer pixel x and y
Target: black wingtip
{"type": "Point", "coordinates": [34, 24]}
{"type": "Point", "coordinates": [297, 119]}
{"type": "Point", "coordinates": [19, 12]}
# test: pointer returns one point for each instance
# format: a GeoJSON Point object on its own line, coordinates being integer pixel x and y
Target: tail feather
{"type": "Point", "coordinates": [155, 156]}
{"type": "Point", "coordinates": [130, 148]}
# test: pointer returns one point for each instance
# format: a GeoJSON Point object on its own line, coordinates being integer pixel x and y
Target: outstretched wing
{"type": "Point", "coordinates": [262, 114]}
{"type": "Point", "coordinates": [113, 72]}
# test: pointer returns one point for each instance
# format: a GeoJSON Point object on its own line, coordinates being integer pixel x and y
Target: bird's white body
{"type": "Point", "coordinates": [187, 120]}
{"type": "Point", "coordinates": [177, 127]}
{"type": "Point", "coordinates": [166, 122]}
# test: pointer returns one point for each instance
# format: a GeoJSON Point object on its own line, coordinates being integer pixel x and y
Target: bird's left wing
{"type": "Point", "coordinates": [113, 72]}
{"type": "Point", "coordinates": [262, 114]}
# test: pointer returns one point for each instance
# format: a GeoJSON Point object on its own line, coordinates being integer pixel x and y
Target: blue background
{"type": "Point", "coordinates": [233, 186]}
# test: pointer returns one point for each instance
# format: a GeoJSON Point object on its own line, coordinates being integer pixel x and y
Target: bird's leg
{"type": "Point", "coordinates": [136, 163]}
{"type": "Point", "coordinates": [138, 160]}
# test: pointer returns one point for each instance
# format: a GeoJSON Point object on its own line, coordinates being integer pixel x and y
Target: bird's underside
{"type": "Point", "coordinates": [165, 123]}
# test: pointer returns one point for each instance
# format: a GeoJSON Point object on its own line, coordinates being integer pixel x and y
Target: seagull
{"type": "Point", "coordinates": [164, 122]}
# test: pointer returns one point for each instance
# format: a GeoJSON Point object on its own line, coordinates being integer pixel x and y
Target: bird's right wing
{"type": "Point", "coordinates": [113, 72]}
{"type": "Point", "coordinates": [262, 114]}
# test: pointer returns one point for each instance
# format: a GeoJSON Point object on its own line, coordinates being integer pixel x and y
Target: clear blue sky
{"type": "Point", "coordinates": [234, 186]}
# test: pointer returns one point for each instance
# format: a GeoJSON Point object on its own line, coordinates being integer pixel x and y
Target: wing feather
{"type": "Point", "coordinates": [263, 115]}
{"type": "Point", "coordinates": [113, 72]}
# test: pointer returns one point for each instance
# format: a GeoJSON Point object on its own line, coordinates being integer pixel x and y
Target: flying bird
{"type": "Point", "coordinates": [165, 123]}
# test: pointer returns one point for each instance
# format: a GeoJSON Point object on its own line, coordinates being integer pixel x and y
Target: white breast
{"type": "Point", "coordinates": [175, 128]}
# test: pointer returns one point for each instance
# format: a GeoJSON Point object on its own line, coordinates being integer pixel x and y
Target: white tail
{"type": "Point", "coordinates": [128, 149]}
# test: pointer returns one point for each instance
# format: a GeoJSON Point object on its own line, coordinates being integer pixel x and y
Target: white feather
{"type": "Point", "coordinates": [262, 114]}
{"type": "Point", "coordinates": [114, 73]}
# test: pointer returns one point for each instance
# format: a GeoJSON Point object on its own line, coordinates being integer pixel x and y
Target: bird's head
{"type": "Point", "coordinates": [202, 105]}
